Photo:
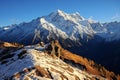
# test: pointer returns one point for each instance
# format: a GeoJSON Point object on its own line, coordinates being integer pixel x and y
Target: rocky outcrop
{"type": "Point", "coordinates": [54, 48]}
{"type": "Point", "coordinates": [87, 65]}
{"type": "Point", "coordinates": [30, 63]}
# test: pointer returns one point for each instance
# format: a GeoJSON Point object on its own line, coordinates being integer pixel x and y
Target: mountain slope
{"type": "Point", "coordinates": [35, 64]}
{"type": "Point", "coordinates": [62, 26]}
{"type": "Point", "coordinates": [57, 25]}
{"type": "Point", "coordinates": [6, 44]}
{"type": "Point", "coordinates": [109, 31]}
{"type": "Point", "coordinates": [32, 62]}
{"type": "Point", "coordinates": [94, 40]}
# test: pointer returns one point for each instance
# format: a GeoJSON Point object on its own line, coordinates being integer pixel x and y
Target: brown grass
{"type": "Point", "coordinates": [62, 76]}
{"type": "Point", "coordinates": [90, 65]}
{"type": "Point", "coordinates": [70, 69]}
{"type": "Point", "coordinates": [42, 72]}
{"type": "Point", "coordinates": [17, 75]}
{"type": "Point", "coordinates": [76, 77]}
{"type": "Point", "coordinates": [7, 44]}
{"type": "Point", "coordinates": [26, 78]}
{"type": "Point", "coordinates": [78, 59]}
{"type": "Point", "coordinates": [118, 77]}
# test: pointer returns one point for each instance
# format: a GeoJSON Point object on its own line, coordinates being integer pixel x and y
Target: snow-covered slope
{"type": "Point", "coordinates": [109, 31]}
{"type": "Point", "coordinates": [57, 25]}
{"type": "Point", "coordinates": [72, 28]}
{"type": "Point", "coordinates": [34, 62]}
{"type": "Point", "coordinates": [31, 62]}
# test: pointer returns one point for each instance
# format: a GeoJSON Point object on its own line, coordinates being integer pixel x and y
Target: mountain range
{"type": "Point", "coordinates": [86, 37]}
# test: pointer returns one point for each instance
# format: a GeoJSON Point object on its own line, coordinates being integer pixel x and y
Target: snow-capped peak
{"type": "Point", "coordinates": [60, 11]}
{"type": "Point", "coordinates": [75, 17]}
{"type": "Point", "coordinates": [90, 20]}
{"type": "Point", "coordinates": [78, 16]}
{"type": "Point", "coordinates": [58, 24]}
{"type": "Point", "coordinates": [57, 13]}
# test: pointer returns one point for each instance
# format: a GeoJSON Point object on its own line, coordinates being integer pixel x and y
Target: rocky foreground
{"type": "Point", "coordinates": [48, 62]}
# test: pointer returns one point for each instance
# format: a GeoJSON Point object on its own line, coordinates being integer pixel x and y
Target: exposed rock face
{"type": "Point", "coordinates": [88, 65]}
{"type": "Point", "coordinates": [54, 48]}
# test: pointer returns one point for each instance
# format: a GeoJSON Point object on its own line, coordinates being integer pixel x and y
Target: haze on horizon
{"type": "Point", "coordinates": [17, 11]}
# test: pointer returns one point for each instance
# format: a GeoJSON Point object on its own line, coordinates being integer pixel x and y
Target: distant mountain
{"type": "Point", "coordinates": [94, 40]}
{"type": "Point", "coordinates": [35, 62]}
{"type": "Point", "coordinates": [62, 26]}
{"type": "Point", "coordinates": [57, 25]}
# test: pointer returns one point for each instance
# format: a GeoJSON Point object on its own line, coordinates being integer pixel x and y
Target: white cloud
{"type": "Point", "coordinates": [116, 16]}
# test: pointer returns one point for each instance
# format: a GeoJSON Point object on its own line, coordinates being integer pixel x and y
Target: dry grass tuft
{"type": "Point", "coordinates": [17, 75]}
{"type": "Point", "coordinates": [89, 65]}
{"type": "Point", "coordinates": [7, 44]}
{"type": "Point", "coordinates": [61, 74]}
{"type": "Point", "coordinates": [41, 72]}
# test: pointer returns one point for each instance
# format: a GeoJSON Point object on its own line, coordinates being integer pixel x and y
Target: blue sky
{"type": "Point", "coordinates": [17, 11]}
